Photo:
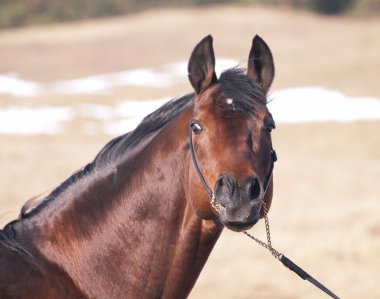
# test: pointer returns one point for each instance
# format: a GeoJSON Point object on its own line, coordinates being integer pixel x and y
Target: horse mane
{"type": "Point", "coordinates": [115, 149]}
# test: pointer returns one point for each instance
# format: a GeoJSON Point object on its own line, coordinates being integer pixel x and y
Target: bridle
{"type": "Point", "coordinates": [282, 258]}
{"type": "Point", "coordinates": [211, 194]}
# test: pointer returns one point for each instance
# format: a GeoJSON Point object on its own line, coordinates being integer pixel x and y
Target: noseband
{"type": "Point", "coordinates": [211, 193]}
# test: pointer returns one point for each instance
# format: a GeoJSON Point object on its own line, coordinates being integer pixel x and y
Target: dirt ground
{"type": "Point", "coordinates": [326, 209]}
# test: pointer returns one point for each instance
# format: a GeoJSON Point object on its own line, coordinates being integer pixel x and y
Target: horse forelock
{"type": "Point", "coordinates": [245, 94]}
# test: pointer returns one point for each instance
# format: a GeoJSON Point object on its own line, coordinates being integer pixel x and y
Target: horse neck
{"type": "Point", "coordinates": [133, 225]}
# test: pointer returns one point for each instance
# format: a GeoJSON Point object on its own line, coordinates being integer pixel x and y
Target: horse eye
{"type": "Point", "coordinates": [269, 129]}
{"type": "Point", "coordinates": [196, 127]}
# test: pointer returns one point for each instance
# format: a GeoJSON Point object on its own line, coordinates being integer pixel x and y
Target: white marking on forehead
{"type": "Point", "coordinates": [229, 101]}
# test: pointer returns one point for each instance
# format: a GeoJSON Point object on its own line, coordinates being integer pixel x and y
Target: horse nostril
{"type": "Point", "coordinates": [253, 188]}
{"type": "Point", "coordinates": [226, 182]}
{"type": "Point", "coordinates": [219, 181]}
{"type": "Point", "coordinates": [224, 189]}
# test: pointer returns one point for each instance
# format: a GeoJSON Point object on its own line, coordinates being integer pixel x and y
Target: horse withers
{"type": "Point", "coordinates": [141, 220]}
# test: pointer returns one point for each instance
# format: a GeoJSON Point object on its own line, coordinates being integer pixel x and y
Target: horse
{"type": "Point", "coordinates": [140, 220]}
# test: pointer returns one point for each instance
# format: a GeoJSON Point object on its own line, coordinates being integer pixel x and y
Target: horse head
{"type": "Point", "coordinates": [230, 137]}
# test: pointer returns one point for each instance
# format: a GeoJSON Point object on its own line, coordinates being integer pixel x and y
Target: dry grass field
{"type": "Point", "coordinates": [326, 208]}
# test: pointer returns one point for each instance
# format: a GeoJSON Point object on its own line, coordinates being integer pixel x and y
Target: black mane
{"type": "Point", "coordinates": [116, 148]}
{"type": "Point", "coordinates": [110, 152]}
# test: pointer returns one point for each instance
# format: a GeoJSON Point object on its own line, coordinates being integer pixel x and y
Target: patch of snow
{"type": "Point", "coordinates": [317, 104]}
{"type": "Point", "coordinates": [12, 85]}
{"type": "Point", "coordinates": [34, 121]}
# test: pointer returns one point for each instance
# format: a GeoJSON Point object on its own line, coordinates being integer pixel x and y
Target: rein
{"type": "Point", "coordinates": [282, 258]}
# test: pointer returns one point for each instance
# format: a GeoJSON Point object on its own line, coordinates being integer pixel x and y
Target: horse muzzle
{"type": "Point", "coordinates": [239, 204]}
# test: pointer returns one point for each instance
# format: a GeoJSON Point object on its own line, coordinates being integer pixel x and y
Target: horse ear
{"type": "Point", "coordinates": [201, 66]}
{"type": "Point", "coordinates": [260, 63]}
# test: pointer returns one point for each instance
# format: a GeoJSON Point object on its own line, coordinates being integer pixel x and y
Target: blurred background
{"type": "Point", "coordinates": [76, 73]}
{"type": "Point", "coordinates": [17, 13]}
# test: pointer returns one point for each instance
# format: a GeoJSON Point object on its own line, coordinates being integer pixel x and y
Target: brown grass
{"type": "Point", "coordinates": [326, 207]}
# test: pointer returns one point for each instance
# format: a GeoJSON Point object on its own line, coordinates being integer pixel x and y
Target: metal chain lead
{"type": "Point", "coordinates": [267, 245]}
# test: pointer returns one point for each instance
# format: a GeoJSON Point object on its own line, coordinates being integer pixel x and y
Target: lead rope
{"type": "Point", "coordinates": [284, 260]}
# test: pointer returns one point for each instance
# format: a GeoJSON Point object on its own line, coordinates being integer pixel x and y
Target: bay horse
{"type": "Point", "coordinates": [140, 221]}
